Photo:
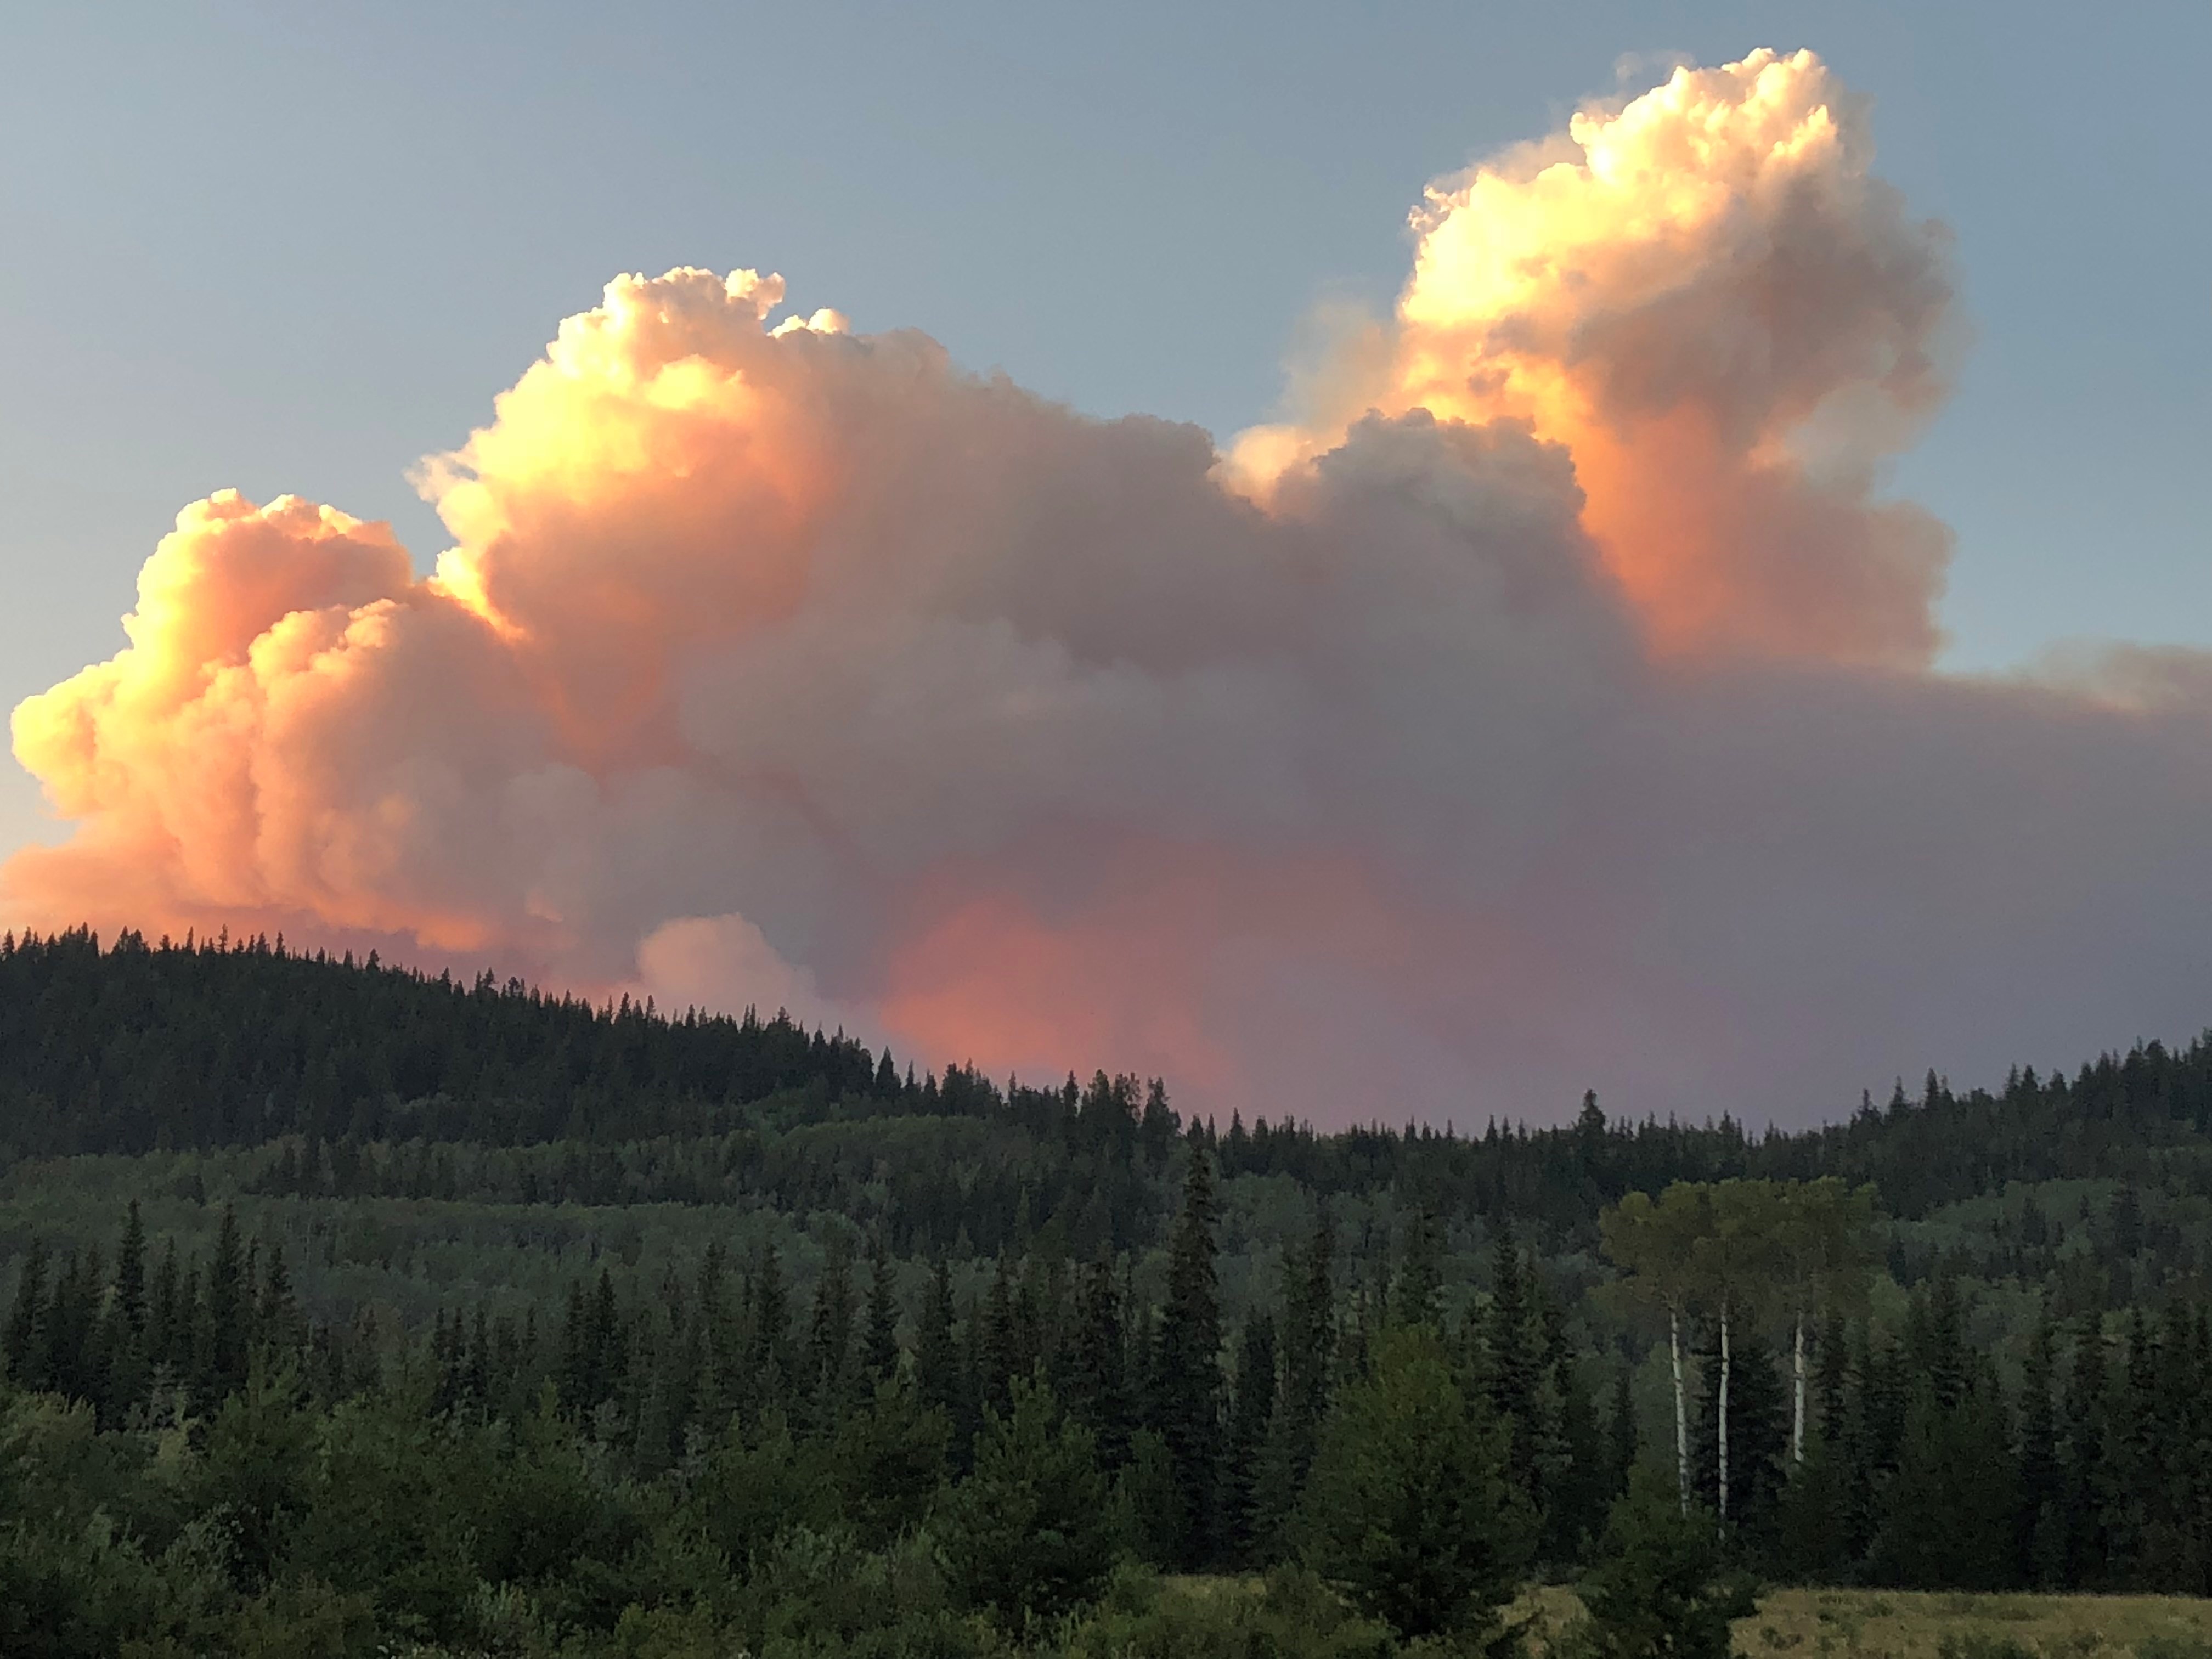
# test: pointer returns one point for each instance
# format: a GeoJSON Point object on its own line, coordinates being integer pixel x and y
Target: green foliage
{"type": "Point", "coordinates": [1029, 1533]}
{"type": "Point", "coordinates": [1409, 1511]}
{"type": "Point", "coordinates": [341, 1305]}
{"type": "Point", "coordinates": [1660, 1588]}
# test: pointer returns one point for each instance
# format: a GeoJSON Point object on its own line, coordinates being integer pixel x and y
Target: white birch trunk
{"type": "Point", "coordinates": [1798, 1408]}
{"type": "Point", "coordinates": [1723, 1414]}
{"type": "Point", "coordinates": [1681, 1410]}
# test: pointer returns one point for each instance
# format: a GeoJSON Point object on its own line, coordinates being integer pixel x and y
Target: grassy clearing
{"type": "Point", "coordinates": [1845, 1624]}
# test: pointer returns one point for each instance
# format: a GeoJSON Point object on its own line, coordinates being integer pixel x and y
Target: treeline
{"type": "Point", "coordinates": [225, 1042]}
{"type": "Point", "coordinates": [755, 1312]}
{"type": "Point", "coordinates": [717, 1464]}
{"type": "Point", "coordinates": [1830, 1444]}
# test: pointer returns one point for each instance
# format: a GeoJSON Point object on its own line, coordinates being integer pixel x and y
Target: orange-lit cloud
{"type": "Point", "coordinates": [1705, 295]}
{"type": "Point", "coordinates": [1547, 706]}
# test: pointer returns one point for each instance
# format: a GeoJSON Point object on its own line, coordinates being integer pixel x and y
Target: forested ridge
{"type": "Point", "coordinates": [395, 1308]}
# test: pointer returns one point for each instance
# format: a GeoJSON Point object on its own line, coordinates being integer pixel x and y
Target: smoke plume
{"type": "Point", "coordinates": [1546, 705]}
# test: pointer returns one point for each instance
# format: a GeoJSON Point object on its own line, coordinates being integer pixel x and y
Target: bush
{"type": "Point", "coordinates": [1660, 1589]}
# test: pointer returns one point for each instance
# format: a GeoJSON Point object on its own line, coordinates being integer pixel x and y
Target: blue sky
{"type": "Point", "coordinates": [294, 248]}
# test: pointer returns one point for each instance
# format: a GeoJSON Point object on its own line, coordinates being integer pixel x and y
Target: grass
{"type": "Point", "coordinates": [1849, 1624]}
{"type": "Point", "coordinates": [1900, 1624]}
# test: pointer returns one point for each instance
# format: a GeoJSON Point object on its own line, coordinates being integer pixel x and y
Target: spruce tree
{"type": "Point", "coordinates": [1251, 1415]}
{"type": "Point", "coordinates": [2042, 1517]}
{"type": "Point", "coordinates": [1187, 1381]}
{"type": "Point", "coordinates": [1623, 1439]}
{"type": "Point", "coordinates": [1097, 1381]}
{"type": "Point", "coordinates": [2087, 1470]}
{"type": "Point", "coordinates": [1420, 1273]}
{"type": "Point", "coordinates": [936, 1352]}
{"type": "Point", "coordinates": [1950, 1513]}
{"type": "Point", "coordinates": [828, 1368]}
{"type": "Point", "coordinates": [998, 1350]}
{"type": "Point", "coordinates": [881, 1353]}
{"type": "Point", "coordinates": [222, 1348]}
{"type": "Point", "coordinates": [1410, 1511]}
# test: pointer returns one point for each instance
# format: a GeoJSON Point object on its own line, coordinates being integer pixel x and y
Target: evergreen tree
{"type": "Point", "coordinates": [2042, 1526]}
{"type": "Point", "coordinates": [936, 1351]}
{"type": "Point", "coordinates": [829, 1370]}
{"type": "Point", "coordinates": [1410, 1511]}
{"type": "Point", "coordinates": [1512, 1362]}
{"type": "Point", "coordinates": [1251, 1416]}
{"type": "Point", "coordinates": [1758, 1435]}
{"type": "Point", "coordinates": [1187, 1381]}
{"type": "Point", "coordinates": [1579, 1484]}
{"type": "Point", "coordinates": [1622, 1438]}
{"type": "Point", "coordinates": [998, 1364]}
{"type": "Point", "coordinates": [2087, 1475]}
{"type": "Point", "coordinates": [1420, 1273]}
{"type": "Point", "coordinates": [1096, 1382]}
{"type": "Point", "coordinates": [769, 1364]}
{"type": "Point", "coordinates": [881, 1355]}
{"type": "Point", "coordinates": [221, 1345]}
{"type": "Point", "coordinates": [1950, 1513]}
{"type": "Point", "coordinates": [1660, 1589]}
{"type": "Point", "coordinates": [1028, 1535]}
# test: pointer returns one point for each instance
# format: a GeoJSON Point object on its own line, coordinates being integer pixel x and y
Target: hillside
{"type": "Point", "coordinates": [223, 1157]}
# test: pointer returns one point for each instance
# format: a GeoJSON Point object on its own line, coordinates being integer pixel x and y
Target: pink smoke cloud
{"type": "Point", "coordinates": [1548, 707]}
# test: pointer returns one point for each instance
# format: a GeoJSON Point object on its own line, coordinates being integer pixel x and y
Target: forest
{"type": "Point", "coordinates": [353, 1310]}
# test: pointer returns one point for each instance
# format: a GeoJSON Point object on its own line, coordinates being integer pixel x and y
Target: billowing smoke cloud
{"type": "Point", "coordinates": [1708, 299]}
{"type": "Point", "coordinates": [1547, 706]}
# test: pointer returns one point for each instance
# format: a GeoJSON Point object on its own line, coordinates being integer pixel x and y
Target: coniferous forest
{"type": "Point", "coordinates": [350, 1310]}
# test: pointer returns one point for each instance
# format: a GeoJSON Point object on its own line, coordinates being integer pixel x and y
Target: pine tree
{"type": "Point", "coordinates": [1410, 1512]}
{"type": "Point", "coordinates": [2043, 1514]}
{"type": "Point", "coordinates": [1251, 1415]}
{"type": "Point", "coordinates": [222, 1348]}
{"type": "Point", "coordinates": [131, 1274]}
{"type": "Point", "coordinates": [2087, 1472]}
{"type": "Point", "coordinates": [1758, 1435]}
{"type": "Point", "coordinates": [1096, 1382]}
{"type": "Point", "coordinates": [1580, 1481]}
{"type": "Point", "coordinates": [829, 1338]}
{"type": "Point", "coordinates": [1513, 1368]}
{"type": "Point", "coordinates": [1420, 1273]}
{"type": "Point", "coordinates": [768, 1361]}
{"type": "Point", "coordinates": [1187, 1382]}
{"type": "Point", "coordinates": [1622, 1438]}
{"type": "Point", "coordinates": [936, 1352]}
{"type": "Point", "coordinates": [999, 1348]}
{"type": "Point", "coordinates": [1952, 1511]}
{"type": "Point", "coordinates": [125, 1366]}
{"type": "Point", "coordinates": [881, 1351]}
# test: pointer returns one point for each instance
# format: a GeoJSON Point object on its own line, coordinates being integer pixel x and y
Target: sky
{"type": "Point", "coordinates": [297, 250]}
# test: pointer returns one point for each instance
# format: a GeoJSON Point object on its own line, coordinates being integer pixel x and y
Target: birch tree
{"type": "Point", "coordinates": [1732, 1270]}
{"type": "Point", "coordinates": [1824, 1254]}
{"type": "Point", "coordinates": [1656, 1244]}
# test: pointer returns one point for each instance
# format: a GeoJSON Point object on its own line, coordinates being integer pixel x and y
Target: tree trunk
{"type": "Point", "coordinates": [1723, 1413]}
{"type": "Point", "coordinates": [1797, 1407]}
{"type": "Point", "coordinates": [1682, 1410]}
